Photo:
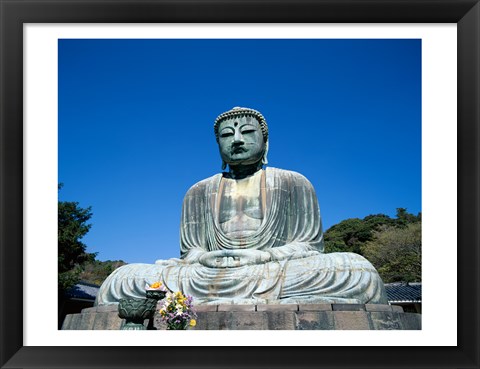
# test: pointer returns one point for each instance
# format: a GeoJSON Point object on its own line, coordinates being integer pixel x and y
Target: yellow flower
{"type": "Point", "coordinates": [193, 323]}
{"type": "Point", "coordinates": [156, 285]}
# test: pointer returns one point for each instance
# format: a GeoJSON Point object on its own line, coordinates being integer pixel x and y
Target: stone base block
{"type": "Point", "coordinates": [267, 317]}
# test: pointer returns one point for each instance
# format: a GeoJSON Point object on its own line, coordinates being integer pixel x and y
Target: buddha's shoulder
{"type": "Point", "coordinates": [287, 174]}
{"type": "Point", "coordinates": [202, 185]}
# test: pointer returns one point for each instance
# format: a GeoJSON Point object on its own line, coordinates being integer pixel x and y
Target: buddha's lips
{"type": "Point", "coordinates": [238, 150]}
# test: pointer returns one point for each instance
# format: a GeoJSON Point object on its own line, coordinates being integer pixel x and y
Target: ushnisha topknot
{"type": "Point", "coordinates": [240, 112]}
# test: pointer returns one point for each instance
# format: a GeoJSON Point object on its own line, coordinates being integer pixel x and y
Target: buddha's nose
{"type": "Point", "coordinates": [238, 138]}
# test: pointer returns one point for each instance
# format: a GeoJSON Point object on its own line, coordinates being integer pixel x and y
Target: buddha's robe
{"type": "Point", "coordinates": [288, 227]}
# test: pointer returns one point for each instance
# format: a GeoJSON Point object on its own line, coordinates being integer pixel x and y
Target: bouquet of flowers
{"type": "Point", "coordinates": [177, 311]}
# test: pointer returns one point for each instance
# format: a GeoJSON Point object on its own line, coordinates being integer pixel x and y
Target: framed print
{"type": "Point", "coordinates": [25, 303]}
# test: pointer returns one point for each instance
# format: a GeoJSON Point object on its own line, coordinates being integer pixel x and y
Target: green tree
{"type": "Point", "coordinates": [344, 236]}
{"type": "Point", "coordinates": [349, 235]}
{"type": "Point", "coordinates": [396, 252]}
{"type": "Point", "coordinates": [72, 255]}
{"type": "Point", "coordinates": [97, 271]}
{"type": "Point", "coordinates": [404, 218]}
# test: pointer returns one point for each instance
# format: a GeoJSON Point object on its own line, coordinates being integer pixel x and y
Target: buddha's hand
{"type": "Point", "coordinates": [233, 258]}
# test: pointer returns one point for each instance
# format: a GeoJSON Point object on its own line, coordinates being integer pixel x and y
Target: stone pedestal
{"type": "Point", "coordinates": [263, 317]}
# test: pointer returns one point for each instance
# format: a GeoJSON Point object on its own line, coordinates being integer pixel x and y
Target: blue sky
{"type": "Point", "coordinates": [136, 127]}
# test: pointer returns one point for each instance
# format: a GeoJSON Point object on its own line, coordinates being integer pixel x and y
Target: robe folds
{"type": "Point", "coordinates": [290, 231]}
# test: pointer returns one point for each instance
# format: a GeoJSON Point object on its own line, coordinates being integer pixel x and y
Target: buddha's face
{"type": "Point", "coordinates": [241, 141]}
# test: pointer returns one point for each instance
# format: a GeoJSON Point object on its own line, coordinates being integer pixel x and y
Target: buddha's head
{"type": "Point", "coordinates": [242, 137]}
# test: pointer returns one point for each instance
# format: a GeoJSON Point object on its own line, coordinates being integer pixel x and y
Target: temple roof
{"type": "Point", "coordinates": [84, 291]}
{"type": "Point", "coordinates": [404, 292]}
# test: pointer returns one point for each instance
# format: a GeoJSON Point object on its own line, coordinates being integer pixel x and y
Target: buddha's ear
{"type": "Point", "coordinates": [264, 158]}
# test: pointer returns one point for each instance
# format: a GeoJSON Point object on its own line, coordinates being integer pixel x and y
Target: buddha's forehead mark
{"type": "Point", "coordinates": [240, 122]}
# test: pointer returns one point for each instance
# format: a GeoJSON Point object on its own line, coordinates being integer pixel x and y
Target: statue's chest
{"type": "Point", "coordinates": [240, 208]}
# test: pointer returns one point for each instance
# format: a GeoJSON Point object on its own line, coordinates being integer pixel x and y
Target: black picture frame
{"type": "Point", "coordinates": [14, 13]}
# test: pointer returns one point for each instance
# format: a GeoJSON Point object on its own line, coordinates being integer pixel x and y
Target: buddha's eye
{"type": "Point", "coordinates": [226, 134]}
{"type": "Point", "coordinates": [246, 131]}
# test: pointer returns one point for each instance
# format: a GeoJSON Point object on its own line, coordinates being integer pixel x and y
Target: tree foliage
{"type": "Point", "coordinates": [349, 235]}
{"type": "Point", "coordinates": [392, 245]}
{"type": "Point", "coordinates": [72, 254]}
{"type": "Point", "coordinates": [396, 252]}
{"type": "Point", "coordinates": [96, 271]}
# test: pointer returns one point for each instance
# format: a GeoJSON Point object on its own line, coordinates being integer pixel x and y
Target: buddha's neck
{"type": "Point", "coordinates": [243, 171]}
